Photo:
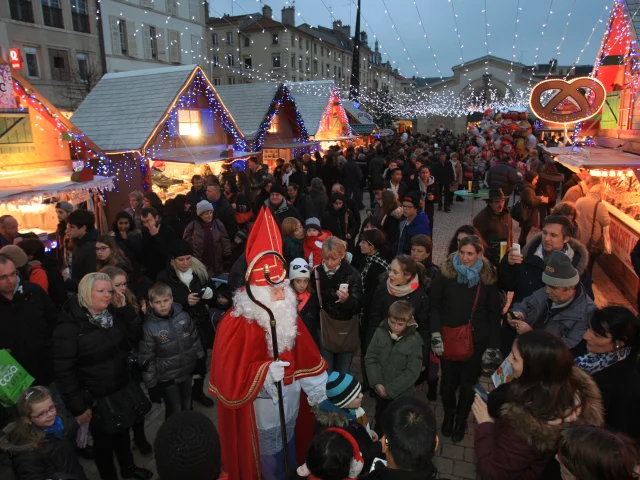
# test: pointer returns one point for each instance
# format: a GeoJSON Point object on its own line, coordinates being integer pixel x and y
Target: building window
{"type": "Point", "coordinates": [306, 64]}
{"type": "Point", "coordinates": [274, 39]}
{"type": "Point", "coordinates": [275, 61]}
{"type": "Point", "coordinates": [229, 38]}
{"type": "Point", "coordinates": [339, 72]}
{"type": "Point", "coordinates": [151, 43]}
{"type": "Point", "coordinates": [83, 66]}
{"type": "Point", "coordinates": [216, 81]}
{"type": "Point", "coordinates": [214, 39]}
{"type": "Point", "coordinates": [189, 122]}
{"type": "Point", "coordinates": [247, 63]}
{"type": "Point", "coordinates": [232, 80]}
{"type": "Point", "coordinates": [52, 13]}
{"type": "Point", "coordinates": [231, 61]}
{"type": "Point", "coordinates": [216, 61]}
{"type": "Point", "coordinates": [322, 51]}
{"type": "Point", "coordinates": [315, 67]}
{"type": "Point", "coordinates": [31, 62]}
{"type": "Point", "coordinates": [300, 64]}
{"type": "Point", "coordinates": [174, 46]}
{"type": "Point", "coordinates": [21, 10]}
{"type": "Point", "coordinates": [59, 61]}
{"type": "Point", "coordinates": [80, 15]}
{"type": "Point", "coordinates": [172, 7]}
{"type": "Point", "coordinates": [274, 127]}
{"type": "Point", "coordinates": [293, 62]}
{"type": "Point", "coordinates": [247, 41]}
{"type": "Point", "coordinates": [299, 42]}
{"type": "Point", "coordinates": [293, 78]}
{"type": "Point", "coordinates": [306, 43]}
{"type": "Point", "coordinates": [122, 31]}
{"type": "Point", "coordinates": [335, 71]}
{"type": "Point", "coordinates": [315, 48]}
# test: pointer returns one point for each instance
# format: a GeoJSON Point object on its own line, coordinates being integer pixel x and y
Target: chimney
{"type": "Point", "coordinates": [267, 12]}
{"type": "Point", "coordinates": [364, 39]}
{"type": "Point", "coordinates": [289, 16]}
{"type": "Point", "coordinates": [346, 29]}
{"type": "Point", "coordinates": [337, 25]}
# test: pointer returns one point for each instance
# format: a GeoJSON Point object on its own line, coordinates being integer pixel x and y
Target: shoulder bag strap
{"type": "Point", "coordinates": [318, 284]}
{"type": "Point", "coordinates": [475, 302]}
{"type": "Point", "coordinates": [593, 226]}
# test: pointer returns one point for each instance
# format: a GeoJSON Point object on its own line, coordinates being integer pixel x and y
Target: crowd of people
{"type": "Point", "coordinates": [174, 282]}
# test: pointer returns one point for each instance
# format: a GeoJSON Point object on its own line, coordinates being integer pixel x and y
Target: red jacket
{"type": "Point", "coordinates": [313, 245]}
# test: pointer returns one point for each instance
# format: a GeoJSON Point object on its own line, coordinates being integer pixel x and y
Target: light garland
{"type": "Point", "coordinates": [564, 33]}
{"type": "Point", "coordinates": [280, 100]}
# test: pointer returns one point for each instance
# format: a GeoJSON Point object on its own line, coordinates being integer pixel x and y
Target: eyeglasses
{"type": "Point", "coordinates": [52, 409]}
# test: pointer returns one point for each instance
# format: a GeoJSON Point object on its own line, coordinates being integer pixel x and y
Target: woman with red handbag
{"type": "Point", "coordinates": [465, 327]}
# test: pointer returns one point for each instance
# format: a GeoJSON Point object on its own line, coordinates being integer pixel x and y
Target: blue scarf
{"type": "Point", "coordinates": [330, 407]}
{"type": "Point", "coordinates": [57, 429]}
{"type": "Point", "coordinates": [595, 362]}
{"type": "Point", "coordinates": [467, 275]}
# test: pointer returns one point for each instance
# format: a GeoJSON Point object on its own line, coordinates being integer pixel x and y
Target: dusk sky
{"type": "Point", "coordinates": [439, 23]}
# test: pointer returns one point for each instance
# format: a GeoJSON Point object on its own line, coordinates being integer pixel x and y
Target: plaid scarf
{"type": "Point", "coordinates": [370, 260]}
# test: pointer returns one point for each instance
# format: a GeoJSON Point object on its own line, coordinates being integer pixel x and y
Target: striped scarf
{"type": "Point", "coordinates": [370, 260]}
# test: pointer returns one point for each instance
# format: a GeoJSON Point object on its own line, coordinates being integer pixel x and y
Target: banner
{"type": "Point", "coordinates": [623, 241]}
{"type": "Point", "coordinates": [7, 97]}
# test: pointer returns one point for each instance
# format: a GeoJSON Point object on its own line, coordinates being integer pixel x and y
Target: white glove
{"type": "Point", "coordinates": [436, 344]}
{"type": "Point", "coordinates": [208, 294]}
{"type": "Point", "coordinates": [276, 371]}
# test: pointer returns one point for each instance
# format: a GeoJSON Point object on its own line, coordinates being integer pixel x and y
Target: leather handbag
{"type": "Point", "coordinates": [596, 247]}
{"type": "Point", "coordinates": [118, 412]}
{"type": "Point", "coordinates": [458, 341]}
{"type": "Point", "coordinates": [337, 336]}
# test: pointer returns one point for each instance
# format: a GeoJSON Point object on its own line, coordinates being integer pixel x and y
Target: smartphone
{"type": "Point", "coordinates": [344, 287]}
{"type": "Point", "coordinates": [201, 292]}
{"type": "Point", "coordinates": [516, 247]}
{"type": "Point", "coordinates": [480, 390]}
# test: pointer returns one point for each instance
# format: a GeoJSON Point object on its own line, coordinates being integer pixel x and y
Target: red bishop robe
{"type": "Point", "coordinates": [239, 366]}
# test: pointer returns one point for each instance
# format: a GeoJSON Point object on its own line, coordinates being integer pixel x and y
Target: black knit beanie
{"type": "Point", "coordinates": [187, 446]}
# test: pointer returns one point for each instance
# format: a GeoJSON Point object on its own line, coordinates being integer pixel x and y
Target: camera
{"type": "Point", "coordinates": [135, 361]}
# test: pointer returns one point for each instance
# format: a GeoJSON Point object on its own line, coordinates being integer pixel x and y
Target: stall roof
{"type": "Point", "coordinates": [596, 157]}
{"type": "Point", "coordinates": [199, 155]}
{"type": "Point", "coordinates": [355, 113]}
{"type": "Point", "coordinates": [46, 182]}
{"type": "Point", "coordinates": [311, 99]}
{"type": "Point", "coordinates": [363, 129]}
{"type": "Point", "coordinates": [124, 110]}
{"type": "Point", "coordinates": [248, 104]}
{"type": "Point", "coordinates": [291, 145]}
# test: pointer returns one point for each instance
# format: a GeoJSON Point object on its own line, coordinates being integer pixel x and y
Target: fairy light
{"type": "Point", "coordinates": [606, 8]}
{"type": "Point", "coordinates": [455, 19]}
{"type": "Point", "coordinates": [426, 37]}
{"type": "Point", "coordinates": [513, 47]}
{"type": "Point", "coordinates": [486, 40]}
{"type": "Point", "coordinates": [544, 29]}
{"type": "Point", "coordinates": [404, 46]}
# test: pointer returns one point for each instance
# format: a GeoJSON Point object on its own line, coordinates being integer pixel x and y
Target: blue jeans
{"type": "Point", "coordinates": [338, 362]}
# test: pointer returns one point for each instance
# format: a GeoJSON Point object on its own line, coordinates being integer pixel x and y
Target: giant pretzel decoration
{"type": "Point", "coordinates": [582, 106]}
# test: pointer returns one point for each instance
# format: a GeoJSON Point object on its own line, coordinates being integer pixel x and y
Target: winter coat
{"type": "Point", "coordinates": [284, 210]}
{"type": "Point", "coordinates": [84, 259]}
{"type": "Point", "coordinates": [292, 248]}
{"type": "Point", "coordinates": [519, 446]}
{"type": "Point", "coordinates": [391, 225]}
{"type": "Point", "coordinates": [575, 193]}
{"type": "Point", "coordinates": [586, 207]}
{"type": "Point", "coordinates": [329, 286]}
{"type": "Point", "coordinates": [300, 179]}
{"type": "Point", "coordinates": [340, 223]}
{"type": "Point", "coordinates": [131, 246]}
{"type": "Point", "coordinates": [195, 196]}
{"type": "Point", "coordinates": [223, 211]}
{"type": "Point", "coordinates": [400, 190]}
{"type": "Point", "coordinates": [395, 364]}
{"type": "Point", "coordinates": [54, 455]}
{"type": "Point", "coordinates": [338, 419]}
{"type": "Point", "coordinates": [212, 254]}
{"type": "Point", "coordinates": [494, 229]}
{"type": "Point", "coordinates": [376, 274]}
{"type": "Point", "coordinates": [311, 168]}
{"type": "Point", "coordinates": [525, 278]}
{"type": "Point", "coordinates": [443, 172]}
{"type": "Point", "coordinates": [452, 303]}
{"type": "Point", "coordinates": [312, 247]}
{"type": "Point", "coordinates": [90, 361]}
{"type": "Point", "coordinates": [320, 201]}
{"type": "Point", "coordinates": [376, 166]}
{"type": "Point", "coordinates": [550, 180]}
{"type": "Point", "coordinates": [330, 174]}
{"type": "Point", "coordinates": [382, 301]}
{"type": "Point", "coordinates": [38, 275]}
{"type": "Point", "coordinates": [155, 250]}
{"type": "Point", "coordinates": [180, 291]}
{"type": "Point", "coordinates": [569, 323]}
{"type": "Point", "coordinates": [530, 203]}
{"type": "Point", "coordinates": [459, 173]}
{"type": "Point", "coordinates": [419, 225]}
{"type": "Point", "coordinates": [310, 316]}
{"type": "Point", "coordinates": [171, 345]}
{"type": "Point", "coordinates": [352, 174]}
{"type": "Point", "coordinates": [304, 205]}
{"type": "Point", "coordinates": [504, 176]}
{"type": "Point", "coordinates": [26, 327]}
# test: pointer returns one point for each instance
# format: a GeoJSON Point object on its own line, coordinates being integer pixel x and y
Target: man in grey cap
{"type": "Point", "coordinates": [561, 308]}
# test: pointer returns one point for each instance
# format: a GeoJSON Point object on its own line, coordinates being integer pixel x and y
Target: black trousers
{"type": "Point", "coordinates": [381, 406]}
{"type": "Point", "coordinates": [446, 195]}
{"type": "Point", "coordinates": [104, 446]}
{"type": "Point", "coordinates": [462, 375]}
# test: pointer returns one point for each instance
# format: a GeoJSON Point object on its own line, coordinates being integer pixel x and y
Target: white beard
{"type": "Point", "coordinates": [284, 311]}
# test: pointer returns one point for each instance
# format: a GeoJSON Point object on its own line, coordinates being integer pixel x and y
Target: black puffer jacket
{"type": "Point", "coordinates": [172, 346]}
{"type": "Point", "coordinates": [329, 286]}
{"type": "Point", "coordinates": [452, 303]}
{"type": "Point", "coordinates": [180, 291]}
{"type": "Point", "coordinates": [83, 260]}
{"type": "Point", "coordinates": [504, 176]}
{"type": "Point", "coordinates": [56, 455]}
{"type": "Point", "coordinates": [26, 326]}
{"type": "Point", "coordinates": [340, 223]}
{"type": "Point", "coordinates": [90, 361]}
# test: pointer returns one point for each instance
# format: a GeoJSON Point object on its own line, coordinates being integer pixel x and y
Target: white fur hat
{"type": "Point", "coordinates": [298, 268]}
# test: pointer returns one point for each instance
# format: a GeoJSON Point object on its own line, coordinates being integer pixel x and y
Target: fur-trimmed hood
{"type": "Point", "coordinates": [488, 273]}
{"type": "Point", "coordinates": [542, 436]}
{"type": "Point", "coordinates": [577, 247]}
{"type": "Point", "coordinates": [330, 418]}
{"type": "Point", "coordinates": [397, 213]}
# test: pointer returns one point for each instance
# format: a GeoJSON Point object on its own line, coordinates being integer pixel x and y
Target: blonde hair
{"type": "Point", "coordinates": [289, 226]}
{"type": "Point", "coordinates": [198, 268]}
{"type": "Point", "coordinates": [85, 287]}
{"type": "Point", "coordinates": [159, 289]}
{"type": "Point", "coordinates": [114, 272]}
{"type": "Point", "coordinates": [334, 244]}
{"type": "Point", "coordinates": [21, 432]}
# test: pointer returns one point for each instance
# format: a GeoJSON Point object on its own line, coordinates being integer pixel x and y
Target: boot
{"type": "Point", "coordinates": [198, 395]}
{"type": "Point", "coordinates": [459, 429]}
{"type": "Point", "coordinates": [447, 423]}
{"type": "Point", "coordinates": [432, 393]}
{"type": "Point", "coordinates": [137, 473]}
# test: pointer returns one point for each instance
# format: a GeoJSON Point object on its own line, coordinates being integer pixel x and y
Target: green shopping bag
{"type": "Point", "coordinates": [13, 379]}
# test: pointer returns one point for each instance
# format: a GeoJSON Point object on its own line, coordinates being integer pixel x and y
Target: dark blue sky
{"type": "Point", "coordinates": [438, 20]}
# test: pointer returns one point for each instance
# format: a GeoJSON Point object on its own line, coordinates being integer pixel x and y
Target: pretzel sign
{"type": "Point", "coordinates": [572, 102]}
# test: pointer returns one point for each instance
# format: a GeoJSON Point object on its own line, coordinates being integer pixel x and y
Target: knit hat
{"type": "Point", "coordinates": [180, 248]}
{"type": "Point", "coordinates": [277, 188]}
{"type": "Point", "coordinates": [342, 388]}
{"type": "Point", "coordinates": [66, 206]}
{"type": "Point", "coordinates": [559, 272]}
{"type": "Point", "coordinates": [203, 206]}
{"type": "Point", "coordinates": [16, 254]}
{"type": "Point", "coordinates": [188, 446]}
{"type": "Point", "coordinates": [299, 268]}
{"type": "Point", "coordinates": [312, 222]}
{"type": "Point", "coordinates": [413, 197]}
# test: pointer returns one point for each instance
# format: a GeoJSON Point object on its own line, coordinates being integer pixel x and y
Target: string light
{"type": "Point", "coordinates": [606, 8]}
{"type": "Point", "coordinates": [455, 19]}
{"type": "Point", "coordinates": [544, 29]}
{"type": "Point", "coordinates": [513, 47]}
{"type": "Point", "coordinates": [564, 33]}
{"type": "Point", "coordinates": [424, 32]}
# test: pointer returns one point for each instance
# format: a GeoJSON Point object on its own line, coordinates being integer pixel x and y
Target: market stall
{"type": "Point", "coordinates": [620, 172]}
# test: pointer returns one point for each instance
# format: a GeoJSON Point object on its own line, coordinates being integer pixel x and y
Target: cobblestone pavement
{"type": "Point", "coordinates": [454, 462]}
